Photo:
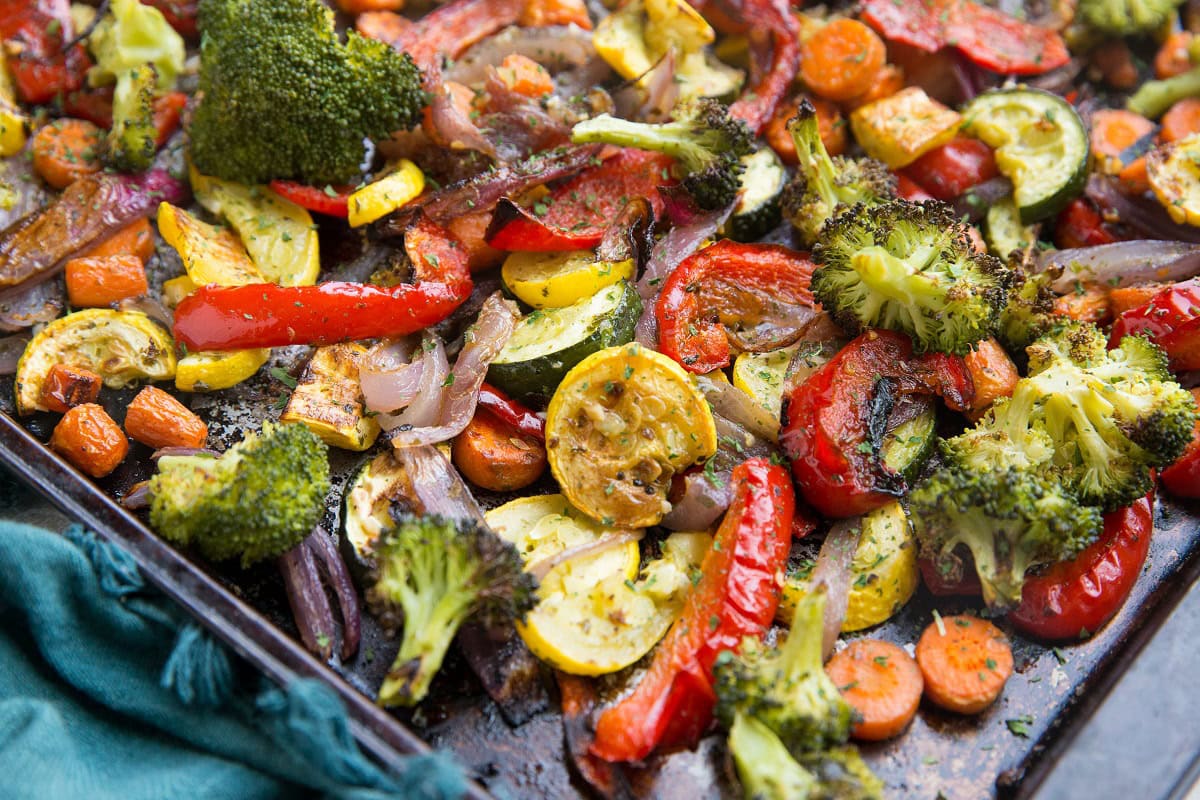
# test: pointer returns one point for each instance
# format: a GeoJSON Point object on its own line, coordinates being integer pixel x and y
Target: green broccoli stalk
{"type": "Point", "coordinates": [787, 688]}
{"type": "Point", "coordinates": [706, 143]}
{"type": "Point", "coordinates": [841, 775]}
{"type": "Point", "coordinates": [765, 768]}
{"type": "Point", "coordinates": [1126, 17]}
{"type": "Point", "coordinates": [824, 186]}
{"type": "Point", "coordinates": [1153, 98]}
{"type": "Point", "coordinates": [1010, 519]}
{"type": "Point", "coordinates": [137, 49]}
{"type": "Point", "coordinates": [282, 97]}
{"type": "Point", "coordinates": [257, 500]}
{"type": "Point", "coordinates": [439, 572]}
{"type": "Point", "coordinates": [909, 267]}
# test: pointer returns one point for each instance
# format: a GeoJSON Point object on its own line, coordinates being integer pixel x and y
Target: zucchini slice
{"type": "Point", "coordinates": [757, 211]}
{"type": "Point", "coordinates": [328, 398]}
{"type": "Point", "coordinates": [377, 493]}
{"type": "Point", "coordinates": [909, 446]}
{"type": "Point", "coordinates": [555, 280]}
{"type": "Point", "coordinates": [1041, 145]}
{"type": "Point", "coordinates": [121, 346]}
{"type": "Point", "coordinates": [1003, 231]}
{"type": "Point", "coordinates": [1175, 178]}
{"type": "Point", "coordinates": [547, 344]}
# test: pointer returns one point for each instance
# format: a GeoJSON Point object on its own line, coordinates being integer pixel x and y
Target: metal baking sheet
{"type": "Point", "coordinates": [1052, 691]}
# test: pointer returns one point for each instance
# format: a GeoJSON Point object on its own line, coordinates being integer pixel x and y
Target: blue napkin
{"type": "Point", "coordinates": [108, 690]}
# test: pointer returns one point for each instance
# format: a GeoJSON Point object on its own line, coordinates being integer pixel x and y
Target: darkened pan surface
{"type": "Point", "coordinates": [960, 758]}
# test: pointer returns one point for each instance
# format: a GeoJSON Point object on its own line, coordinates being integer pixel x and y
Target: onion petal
{"type": "Point", "coordinates": [423, 407]}
{"type": "Point", "coordinates": [733, 404]}
{"type": "Point", "coordinates": [439, 488]}
{"type": "Point", "coordinates": [833, 571]}
{"type": "Point", "coordinates": [554, 47]}
{"type": "Point", "coordinates": [389, 382]}
{"type": "Point", "coordinates": [306, 596]}
{"type": "Point", "coordinates": [1141, 213]}
{"type": "Point", "coordinates": [540, 569]}
{"type": "Point", "coordinates": [1123, 263]}
{"type": "Point", "coordinates": [11, 348]}
{"type": "Point", "coordinates": [337, 575]}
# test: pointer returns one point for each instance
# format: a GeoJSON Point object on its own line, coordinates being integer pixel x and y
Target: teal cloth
{"type": "Point", "coordinates": [108, 690]}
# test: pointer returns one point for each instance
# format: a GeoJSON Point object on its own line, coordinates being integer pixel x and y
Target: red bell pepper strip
{"type": "Point", "coordinates": [179, 14]}
{"type": "Point", "coordinates": [1073, 599]}
{"type": "Point", "coordinates": [576, 215]}
{"type": "Point", "coordinates": [330, 201]}
{"type": "Point", "coordinates": [947, 172]}
{"type": "Point", "coordinates": [1182, 478]}
{"type": "Point", "coordinates": [34, 32]}
{"type": "Point", "coordinates": [1081, 225]}
{"type": "Point", "coordinates": [693, 295]}
{"type": "Point", "coordinates": [515, 414]}
{"type": "Point", "coordinates": [267, 315]}
{"type": "Point", "coordinates": [771, 25]}
{"type": "Point", "coordinates": [988, 38]}
{"type": "Point", "coordinates": [736, 597]}
{"type": "Point", "coordinates": [95, 105]}
{"type": "Point", "coordinates": [828, 427]}
{"type": "Point", "coordinates": [941, 585]}
{"type": "Point", "coordinates": [1171, 319]}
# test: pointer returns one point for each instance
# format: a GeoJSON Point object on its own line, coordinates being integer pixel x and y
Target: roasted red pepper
{"type": "Point", "coordinates": [179, 14]}
{"type": "Point", "coordinates": [989, 38]}
{"type": "Point", "coordinates": [95, 105]}
{"type": "Point", "coordinates": [1171, 319]}
{"type": "Point", "coordinates": [1182, 478]}
{"type": "Point", "coordinates": [833, 422]}
{"type": "Point", "coordinates": [722, 284]}
{"type": "Point", "coordinates": [447, 31]}
{"type": "Point", "coordinates": [1075, 598]}
{"type": "Point", "coordinates": [736, 597]}
{"type": "Point", "coordinates": [1081, 225]}
{"type": "Point", "coordinates": [941, 585]}
{"type": "Point", "coordinates": [576, 215]}
{"type": "Point", "coordinates": [515, 414]}
{"type": "Point", "coordinates": [947, 172]}
{"type": "Point", "coordinates": [772, 28]}
{"type": "Point", "coordinates": [907, 189]}
{"type": "Point", "coordinates": [267, 315]}
{"type": "Point", "coordinates": [330, 201]}
{"type": "Point", "coordinates": [33, 34]}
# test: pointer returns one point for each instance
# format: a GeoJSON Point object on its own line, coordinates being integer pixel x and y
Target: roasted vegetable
{"type": "Point", "coordinates": [284, 98]}
{"type": "Point", "coordinates": [706, 143]}
{"type": "Point", "coordinates": [902, 127]}
{"type": "Point", "coordinates": [1126, 17]}
{"type": "Point", "coordinates": [328, 399]}
{"type": "Point", "coordinates": [131, 140]}
{"type": "Point", "coordinates": [260, 498]}
{"type": "Point", "coordinates": [435, 573]}
{"type": "Point", "coordinates": [909, 267]}
{"type": "Point", "coordinates": [825, 186]}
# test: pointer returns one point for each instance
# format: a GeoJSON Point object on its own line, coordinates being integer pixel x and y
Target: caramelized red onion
{"type": "Point", "coordinates": [540, 569]}
{"type": "Point", "coordinates": [30, 303]}
{"type": "Point", "coordinates": [388, 381]}
{"type": "Point", "coordinates": [832, 571]}
{"type": "Point", "coordinates": [1142, 213]}
{"type": "Point", "coordinates": [151, 306]}
{"type": "Point", "coordinates": [302, 568]}
{"type": "Point", "coordinates": [1123, 263]}
{"type": "Point", "coordinates": [485, 340]}
{"type": "Point", "coordinates": [733, 404]}
{"type": "Point", "coordinates": [420, 402]}
{"type": "Point", "coordinates": [11, 348]}
{"type": "Point", "coordinates": [439, 488]}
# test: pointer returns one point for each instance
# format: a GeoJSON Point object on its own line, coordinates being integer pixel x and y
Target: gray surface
{"type": "Point", "coordinates": [1141, 732]}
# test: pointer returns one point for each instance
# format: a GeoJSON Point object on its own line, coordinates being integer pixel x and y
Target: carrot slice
{"type": "Point", "coordinates": [965, 662]}
{"type": "Point", "coordinates": [1086, 304]}
{"type": "Point", "coordinates": [493, 455]}
{"type": "Point", "coordinates": [886, 82]}
{"type": "Point", "coordinates": [66, 387]}
{"type": "Point", "coordinates": [1114, 130]}
{"type": "Point", "coordinates": [99, 282]}
{"type": "Point", "coordinates": [89, 438]}
{"type": "Point", "coordinates": [1127, 297]}
{"type": "Point", "coordinates": [525, 76]}
{"type": "Point", "coordinates": [156, 419]}
{"type": "Point", "coordinates": [830, 124]}
{"type": "Point", "coordinates": [1181, 119]}
{"type": "Point", "coordinates": [1172, 58]}
{"type": "Point", "coordinates": [840, 60]}
{"type": "Point", "coordinates": [66, 150]}
{"type": "Point", "coordinates": [135, 239]}
{"type": "Point", "coordinates": [883, 684]}
{"type": "Point", "coordinates": [993, 373]}
{"type": "Point", "coordinates": [1133, 177]}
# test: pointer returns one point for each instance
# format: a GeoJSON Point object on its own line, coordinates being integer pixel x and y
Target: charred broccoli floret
{"type": "Point", "coordinates": [1097, 420]}
{"type": "Point", "coordinates": [1010, 519]}
{"type": "Point", "coordinates": [765, 768]}
{"type": "Point", "coordinates": [437, 573]}
{"type": "Point", "coordinates": [1029, 310]}
{"type": "Point", "coordinates": [282, 97]}
{"type": "Point", "coordinates": [909, 267]}
{"type": "Point", "coordinates": [133, 138]}
{"type": "Point", "coordinates": [706, 143]}
{"type": "Point", "coordinates": [825, 186]}
{"type": "Point", "coordinates": [1126, 17]}
{"type": "Point", "coordinates": [787, 688]}
{"type": "Point", "coordinates": [258, 499]}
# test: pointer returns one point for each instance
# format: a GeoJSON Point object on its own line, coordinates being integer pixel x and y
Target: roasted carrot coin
{"type": "Point", "coordinates": [1114, 61]}
{"type": "Point", "coordinates": [89, 438]}
{"type": "Point", "coordinates": [66, 387]}
{"type": "Point", "coordinates": [525, 76]}
{"type": "Point", "coordinates": [1114, 130]}
{"type": "Point", "coordinates": [841, 59]}
{"type": "Point", "coordinates": [135, 239]}
{"type": "Point", "coordinates": [492, 455]}
{"type": "Point", "coordinates": [1172, 58]}
{"type": "Point", "coordinates": [168, 111]}
{"type": "Point", "coordinates": [965, 662]}
{"type": "Point", "coordinates": [1086, 304]}
{"type": "Point", "coordinates": [65, 150]}
{"type": "Point", "coordinates": [540, 13]}
{"type": "Point", "coordinates": [993, 373]}
{"type": "Point", "coordinates": [156, 419]}
{"type": "Point", "coordinates": [830, 124]}
{"type": "Point", "coordinates": [883, 684]}
{"type": "Point", "coordinates": [888, 81]}
{"type": "Point", "coordinates": [1127, 297]}
{"type": "Point", "coordinates": [100, 282]}
{"type": "Point", "coordinates": [1181, 119]}
{"type": "Point", "coordinates": [1133, 177]}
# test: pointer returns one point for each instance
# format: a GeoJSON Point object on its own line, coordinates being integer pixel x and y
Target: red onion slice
{"type": "Point", "coordinates": [732, 403]}
{"type": "Point", "coordinates": [39, 299]}
{"type": "Point", "coordinates": [485, 340]}
{"type": "Point", "coordinates": [1123, 263]}
{"type": "Point", "coordinates": [11, 348]}
{"type": "Point", "coordinates": [310, 607]}
{"type": "Point", "coordinates": [833, 571]}
{"type": "Point", "coordinates": [1142, 213]}
{"type": "Point", "coordinates": [439, 488]}
{"type": "Point", "coordinates": [389, 382]}
{"type": "Point", "coordinates": [540, 569]}
{"type": "Point", "coordinates": [152, 307]}
{"type": "Point", "coordinates": [554, 47]}
{"type": "Point", "coordinates": [431, 374]}
{"type": "Point", "coordinates": [337, 576]}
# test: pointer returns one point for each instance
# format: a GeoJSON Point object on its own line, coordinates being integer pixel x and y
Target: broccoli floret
{"type": "Point", "coordinates": [1010, 519]}
{"type": "Point", "coordinates": [132, 138]}
{"type": "Point", "coordinates": [825, 186]}
{"type": "Point", "coordinates": [282, 97]}
{"type": "Point", "coordinates": [1126, 17]}
{"type": "Point", "coordinates": [765, 768]}
{"type": "Point", "coordinates": [909, 267]}
{"type": "Point", "coordinates": [438, 572]}
{"type": "Point", "coordinates": [841, 775]}
{"type": "Point", "coordinates": [257, 500]}
{"type": "Point", "coordinates": [1029, 310]}
{"type": "Point", "coordinates": [787, 688]}
{"type": "Point", "coordinates": [706, 143]}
